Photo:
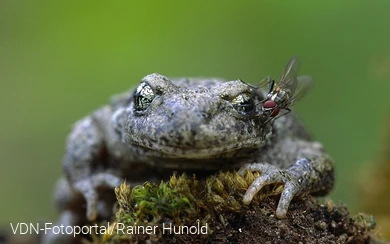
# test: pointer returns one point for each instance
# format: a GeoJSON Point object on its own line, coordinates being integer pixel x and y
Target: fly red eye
{"type": "Point", "coordinates": [269, 104]}
{"type": "Point", "coordinates": [275, 112]}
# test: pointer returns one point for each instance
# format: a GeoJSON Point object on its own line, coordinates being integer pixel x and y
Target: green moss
{"type": "Point", "coordinates": [150, 202]}
{"type": "Point", "coordinates": [216, 201]}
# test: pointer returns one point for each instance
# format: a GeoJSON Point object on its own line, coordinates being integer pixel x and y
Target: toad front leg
{"type": "Point", "coordinates": [84, 164]}
{"type": "Point", "coordinates": [310, 171]}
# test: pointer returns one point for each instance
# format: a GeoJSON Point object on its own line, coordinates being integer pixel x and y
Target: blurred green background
{"type": "Point", "coordinates": [59, 60]}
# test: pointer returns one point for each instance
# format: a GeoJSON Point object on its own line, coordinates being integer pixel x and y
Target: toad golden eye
{"type": "Point", "coordinates": [143, 96]}
{"type": "Point", "coordinates": [243, 103]}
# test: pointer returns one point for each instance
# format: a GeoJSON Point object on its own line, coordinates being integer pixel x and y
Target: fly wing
{"type": "Point", "coordinates": [267, 81]}
{"type": "Point", "coordinates": [304, 83]}
{"type": "Point", "coordinates": [288, 79]}
{"type": "Point", "coordinates": [264, 81]}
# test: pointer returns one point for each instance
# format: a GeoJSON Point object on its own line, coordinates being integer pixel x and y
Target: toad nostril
{"type": "Point", "coordinates": [194, 131]}
{"type": "Point", "coordinates": [206, 117]}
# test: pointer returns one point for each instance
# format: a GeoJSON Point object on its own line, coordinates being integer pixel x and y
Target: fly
{"type": "Point", "coordinates": [281, 95]}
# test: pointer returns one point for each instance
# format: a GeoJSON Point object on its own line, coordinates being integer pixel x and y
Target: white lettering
{"type": "Point", "coordinates": [115, 228]}
{"type": "Point", "coordinates": [167, 228]}
{"type": "Point", "coordinates": [21, 228]}
{"type": "Point", "coordinates": [120, 227]}
{"type": "Point", "coordinates": [47, 228]}
{"type": "Point", "coordinates": [13, 229]}
{"type": "Point", "coordinates": [203, 229]}
{"type": "Point", "coordinates": [34, 228]}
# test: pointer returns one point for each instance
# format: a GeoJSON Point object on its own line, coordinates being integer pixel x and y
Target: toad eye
{"type": "Point", "coordinates": [143, 96]}
{"type": "Point", "coordinates": [243, 103]}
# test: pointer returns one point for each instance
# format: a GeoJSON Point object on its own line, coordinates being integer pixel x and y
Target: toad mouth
{"type": "Point", "coordinates": [220, 151]}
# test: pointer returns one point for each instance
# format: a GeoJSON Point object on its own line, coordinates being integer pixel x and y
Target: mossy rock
{"type": "Point", "coordinates": [215, 205]}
